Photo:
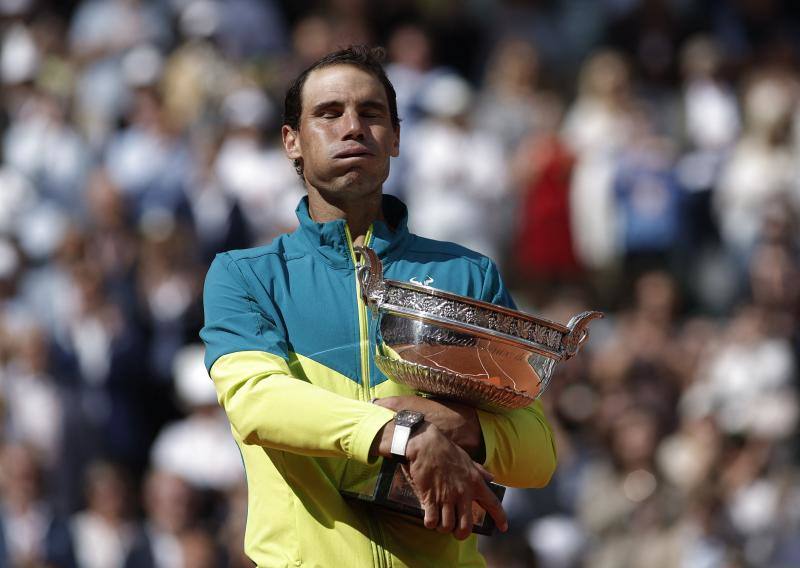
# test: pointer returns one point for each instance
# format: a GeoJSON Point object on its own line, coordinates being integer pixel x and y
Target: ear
{"type": "Point", "coordinates": [396, 143]}
{"type": "Point", "coordinates": [291, 142]}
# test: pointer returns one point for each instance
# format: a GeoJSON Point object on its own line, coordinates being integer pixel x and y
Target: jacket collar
{"type": "Point", "coordinates": [389, 238]}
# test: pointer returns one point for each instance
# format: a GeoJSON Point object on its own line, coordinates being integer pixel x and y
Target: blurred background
{"type": "Point", "coordinates": [634, 156]}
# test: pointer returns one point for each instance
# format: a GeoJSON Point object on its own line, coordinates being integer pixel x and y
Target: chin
{"type": "Point", "coordinates": [357, 183]}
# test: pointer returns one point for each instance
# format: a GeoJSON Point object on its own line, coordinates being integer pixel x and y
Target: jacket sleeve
{"type": "Point", "coordinates": [247, 358]}
{"type": "Point", "coordinates": [520, 448]}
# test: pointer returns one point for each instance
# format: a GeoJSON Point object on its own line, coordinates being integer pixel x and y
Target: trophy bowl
{"type": "Point", "coordinates": [457, 348]}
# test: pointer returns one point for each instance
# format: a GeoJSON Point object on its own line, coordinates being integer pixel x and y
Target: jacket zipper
{"type": "Point", "coordinates": [363, 316]}
{"type": "Point", "coordinates": [364, 346]}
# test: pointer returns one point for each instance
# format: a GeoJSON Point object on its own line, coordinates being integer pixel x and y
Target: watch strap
{"type": "Point", "coordinates": [400, 440]}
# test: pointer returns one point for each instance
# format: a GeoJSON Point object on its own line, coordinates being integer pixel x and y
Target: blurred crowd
{"type": "Point", "coordinates": [634, 156]}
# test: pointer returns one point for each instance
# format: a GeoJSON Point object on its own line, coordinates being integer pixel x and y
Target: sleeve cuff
{"type": "Point", "coordinates": [366, 432]}
{"type": "Point", "coordinates": [488, 423]}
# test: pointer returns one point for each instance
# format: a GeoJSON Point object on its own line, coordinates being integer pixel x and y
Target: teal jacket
{"type": "Point", "coordinates": [288, 346]}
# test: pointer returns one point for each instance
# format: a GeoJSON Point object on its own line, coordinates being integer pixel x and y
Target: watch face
{"type": "Point", "coordinates": [408, 418]}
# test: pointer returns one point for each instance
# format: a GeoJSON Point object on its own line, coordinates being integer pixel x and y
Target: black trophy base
{"type": "Point", "coordinates": [393, 491]}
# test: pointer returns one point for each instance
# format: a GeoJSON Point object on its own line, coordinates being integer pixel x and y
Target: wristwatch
{"type": "Point", "coordinates": [404, 422]}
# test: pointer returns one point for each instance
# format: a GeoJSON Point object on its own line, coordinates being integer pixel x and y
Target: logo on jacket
{"type": "Point", "coordinates": [426, 282]}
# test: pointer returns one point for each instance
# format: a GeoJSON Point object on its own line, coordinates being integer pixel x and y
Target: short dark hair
{"type": "Point", "coordinates": [369, 59]}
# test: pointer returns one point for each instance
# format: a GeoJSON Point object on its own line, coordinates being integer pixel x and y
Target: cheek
{"type": "Point", "coordinates": [385, 138]}
{"type": "Point", "coordinates": [316, 140]}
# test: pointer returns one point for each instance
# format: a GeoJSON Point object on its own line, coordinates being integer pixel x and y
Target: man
{"type": "Point", "coordinates": [290, 353]}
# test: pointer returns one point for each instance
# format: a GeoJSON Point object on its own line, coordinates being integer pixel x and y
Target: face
{"type": "Point", "coordinates": [345, 137]}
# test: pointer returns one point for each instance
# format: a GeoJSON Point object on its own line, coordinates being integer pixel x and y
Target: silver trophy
{"type": "Point", "coordinates": [456, 348]}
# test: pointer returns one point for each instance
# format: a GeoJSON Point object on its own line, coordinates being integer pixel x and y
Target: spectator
{"type": "Point", "coordinates": [711, 124]}
{"type": "Point", "coordinates": [103, 532]}
{"type": "Point", "coordinates": [544, 251]}
{"type": "Point", "coordinates": [183, 447]}
{"type": "Point", "coordinates": [195, 75]}
{"type": "Point", "coordinates": [761, 169]}
{"type": "Point", "coordinates": [43, 146]}
{"type": "Point", "coordinates": [253, 171]}
{"type": "Point", "coordinates": [148, 162]}
{"type": "Point", "coordinates": [456, 177]}
{"type": "Point", "coordinates": [34, 405]}
{"type": "Point", "coordinates": [32, 534]}
{"type": "Point", "coordinates": [410, 70]}
{"type": "Point", "coordinates": [648, 200]}
{"type": "Point", "coordinates": [169, 507]}
{"type": "Point", "coordinates": [596, 126]}
{"type": "Point", "coordinates": [510, 105]}
{"type": "Point", "coordinates": [101, 34]}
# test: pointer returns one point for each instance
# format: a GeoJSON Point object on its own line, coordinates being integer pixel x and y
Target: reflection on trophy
{"type": "Point", "coordinates": [455, 348]}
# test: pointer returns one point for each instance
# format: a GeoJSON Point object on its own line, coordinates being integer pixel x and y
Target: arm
{"type": "Point", "coordinates": [246, 352]}
{"type": "Point", "coordinates": [458, 422]}
{"type": "Point", "coordinates": [516, 446]}
{"type": "Point", "coordinates": [267, 406]}
{"type": "Point", "coordinates": [520, 448]}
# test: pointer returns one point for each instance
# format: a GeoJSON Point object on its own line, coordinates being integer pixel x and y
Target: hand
{"type": "Point", "coordinates": [458, 422]}
{"type": "Point", "coordinates": [447, 481]}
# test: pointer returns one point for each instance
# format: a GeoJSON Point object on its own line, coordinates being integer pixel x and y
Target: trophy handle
{"type": "Point", "coordinates": [370, 275]}
{"type": "Point", "coordinates": [578, 332]}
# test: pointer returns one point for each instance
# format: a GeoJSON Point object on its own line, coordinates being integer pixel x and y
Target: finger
{"type": "Point", "coordinates": [431, 520]}
{"type": "Point", "coordinates": [464, 528]}
{"type": "Point", "coordinates": [448, 519]}
{"type": "Point", "coordinates": [491, 503]}
{"type": "Point", "coordinates": [389, 402]}
{"type": "Point", "coordinates": [484, 472]}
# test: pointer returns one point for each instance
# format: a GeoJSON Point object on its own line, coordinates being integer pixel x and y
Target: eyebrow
{"type": "Point", "coordinates": [373, 104]}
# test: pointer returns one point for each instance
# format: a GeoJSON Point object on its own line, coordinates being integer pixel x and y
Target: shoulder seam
{"type": "Point", "coordinates": [250, 299]}
{"type": "Point", "coordinates": [252, 255]}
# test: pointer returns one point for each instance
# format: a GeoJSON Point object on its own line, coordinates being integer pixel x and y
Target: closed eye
{"type": "Point", "coordinates": [373, 109]}
{"type": "Point", "coordinates": [327, 109]}
{"type": "Point", "coordinates": [333, 109]}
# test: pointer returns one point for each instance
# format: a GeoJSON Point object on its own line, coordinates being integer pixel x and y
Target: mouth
{"type": "Point", "coordinates": [353, 153]}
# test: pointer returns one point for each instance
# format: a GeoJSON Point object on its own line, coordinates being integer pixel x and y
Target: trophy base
{"type": "Point", "coordinates": [392, 490]}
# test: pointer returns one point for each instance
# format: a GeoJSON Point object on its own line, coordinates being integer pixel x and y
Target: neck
{"type": "Point", "coordinates": [359, 214]}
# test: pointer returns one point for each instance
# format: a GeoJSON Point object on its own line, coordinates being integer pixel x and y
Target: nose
{"type": "Point", "coordinates": [353, 126]}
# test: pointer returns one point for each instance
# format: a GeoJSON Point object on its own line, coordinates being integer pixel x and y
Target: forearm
{"type": "Point", "coordinates": [465, 431]}
{"type": "Point", "coordinates": [268, 407]}
{"type": "Point", "coordinates": [520, 449]}
{"type": "Point", "coordinates": [457, 422]}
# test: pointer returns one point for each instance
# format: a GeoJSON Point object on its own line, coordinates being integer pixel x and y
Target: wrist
{"type": "Point", "coordinates": [469, 434]}
{"type": "Point", "coordinates": [382, 444]}
{"type": "Point", "coordinates": [421, 437]}
{"type": "Point", "coordinates": [405, 422]}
